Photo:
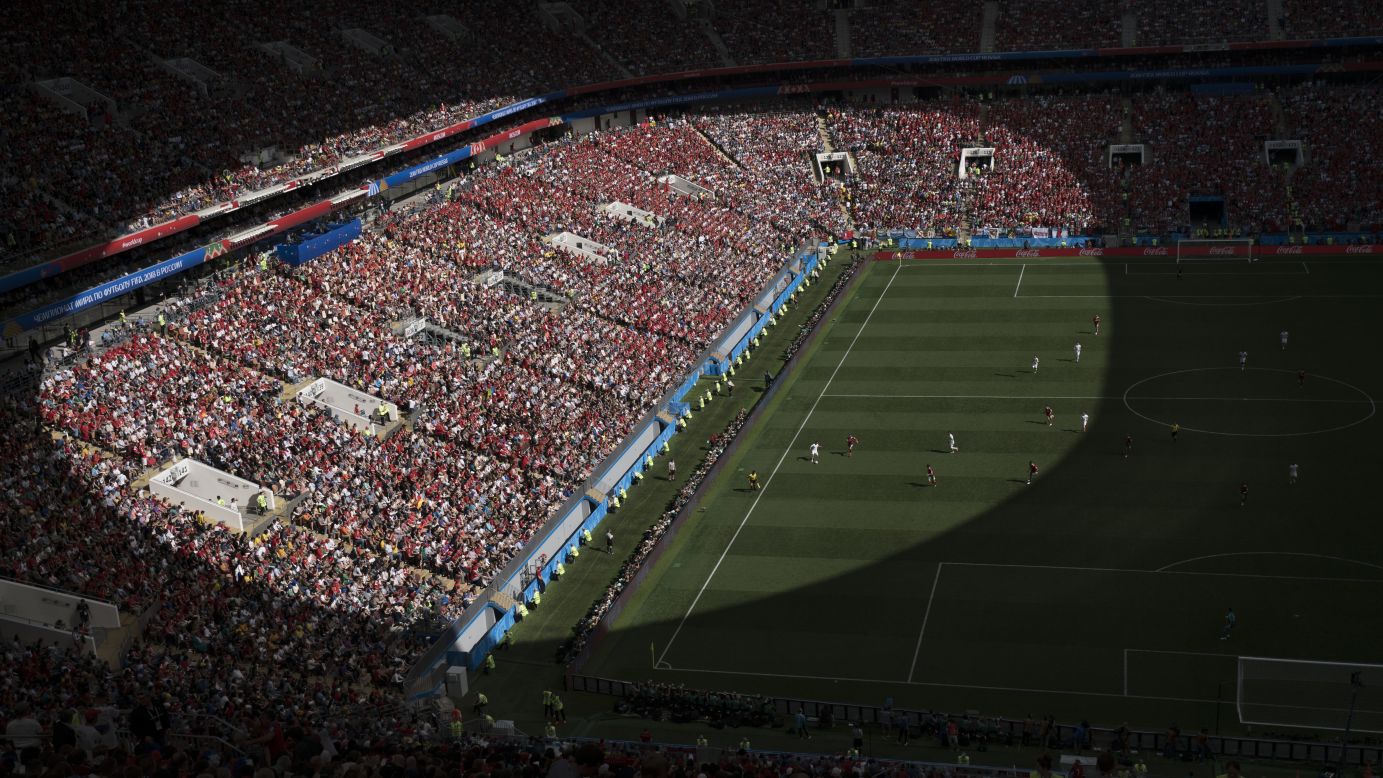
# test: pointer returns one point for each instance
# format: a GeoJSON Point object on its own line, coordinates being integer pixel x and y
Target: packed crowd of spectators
{"type": "Point", "coordinates": [1340, 128]}
{"type": "Point", "coordinates": [164, 146]}
{"type": "Point", "coordinates": [385, 535]}
{"type": "Point", "coordinates": [1033, 25]}
{"type": "Point", "coordinates": [649, 43]}
{"type": "Point", "coordinates": [901, 28]}
{"type": "Point", "coordinates": [909, 160]}
{"type": "Point", "coordinates": [241, 117]}
{"type": "Point", "coordinates": [775, 31]}
{"type": "Point", "coordinates": [287, 622]}
{"type": "Point", "coordinates": [424, 747]}
{"type": "Point", "coordinates": [1186, 21]}
{"type": "Point", "coordinates": [674, 702]}
{"type": "Point", "coordinates": [1192, 140]}
{"type": "Point", "coordinates": [1077, 130]}
{"type": "Point", "coordinates": [1328, 19]}
{"type": "Point", "coordinates": [510, 410]}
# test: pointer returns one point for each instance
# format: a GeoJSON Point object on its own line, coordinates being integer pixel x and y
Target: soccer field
{"type": "Point", "coordinates": [1100, 590]}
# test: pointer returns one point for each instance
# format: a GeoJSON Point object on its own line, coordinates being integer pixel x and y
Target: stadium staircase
{"type": "Point", "coordinates": [502, 599]}
{"type": "Point", "coordinates": [545, 296]}
{"type": "Point", "coordinates": [824, 132]}
{"type": "Point", "coordinates": [843, 47]}
{"type": "Point", "coordinates": [112, 645]}
{"type": "Point", "coordinates": [718, 43]}
{"type": "Point", "coordinates": [1126, 123]}
{"type": "Point", "coordinates": [720, 151]}
{"type": "Point", "coordinates": [605, 55]}
{"type": "Point", "coordinates": [1128, 28]}
{"type": "Point", "coordinates": [987, 24]}
{"type": "Point", "coordinates": [1275, 30]}
{"type": "Point", "coordinates": [1279, 117]}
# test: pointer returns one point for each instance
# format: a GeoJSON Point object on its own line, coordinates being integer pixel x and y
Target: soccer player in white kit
{"type": "Point", "coordinates": [1084, 421]}
{"type": "Point", "coordinates": [1077, 352]}
{"type": "Point", "coordinates": [1283, 336]}
{"type": "Point", "coordinates": [1243, 358]}
{"type": "Point", "coordinates": [1034, 363]}
{"type": "Point", "coordinates": [816, 453]}
{"type": "Point", "coordinates": [1291, 474]}
{"type": "Point", "coordinates": [951, 438]}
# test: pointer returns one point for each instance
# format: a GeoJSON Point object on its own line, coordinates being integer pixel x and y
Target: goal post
{"type": "Point", "coordinates": [1217, 249]}
{"type": "Point", "coordinates": [1309, 694]}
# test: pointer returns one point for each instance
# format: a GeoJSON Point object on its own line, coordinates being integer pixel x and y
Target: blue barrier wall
{"type": "Point", "coordinates": [977, 242]}
{"type": "Point", "coordinates": [312, 244]}
{"type": "Point", "coordinates": [97, 295]}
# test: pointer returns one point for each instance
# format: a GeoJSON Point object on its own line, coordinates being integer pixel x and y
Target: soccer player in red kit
{"type": "Point", "coordinates": [850, 442]}
{"type": "Point", "coordinates": [1128, 445]}
{"type": "Point", "coordinates": [1301, 378]}
{"type": "Point", "coordinates": [1032, 471]}
{"type": "Point", "coordinates": [1047, 411]}
{"type": "Point", "coordinates": [1096, 322]}
{"type": "Point", "coordinates": [931, 476]}
{"type": "Point", "coordinates": [1243, 494]}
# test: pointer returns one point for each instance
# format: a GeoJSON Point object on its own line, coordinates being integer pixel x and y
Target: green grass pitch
{"type": "Point", "coordinates": [1099, 591]}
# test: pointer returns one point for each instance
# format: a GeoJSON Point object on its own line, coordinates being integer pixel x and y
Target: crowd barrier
{"type": "Point", "coordinates": [1227, 251]}
{"type": "Point", "coordinates": [741, 335]}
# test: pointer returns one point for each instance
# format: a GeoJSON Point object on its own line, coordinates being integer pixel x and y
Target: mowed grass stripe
{"type": "Point", "coordinates": [792, 570]}
{"type": "Point", "coordinates": [916, 512]}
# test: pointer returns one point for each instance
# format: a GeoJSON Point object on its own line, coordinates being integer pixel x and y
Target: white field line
{"type": "Point", "coordinates": [1097, 397]}
{"type": "Point", "coordinates": [769, 481]}
{"type": "Point", "coordinates": [916, 651]}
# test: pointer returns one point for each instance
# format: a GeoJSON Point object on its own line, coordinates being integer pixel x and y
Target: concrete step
{"type": "Point", "coordinates": [717, 43]}
{"type": "Point", "coordinates": [987, 23]}
{"type": "Point", "coordinates": [843, 44]}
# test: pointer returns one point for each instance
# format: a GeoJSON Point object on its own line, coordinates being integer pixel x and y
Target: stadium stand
{"type": "Point", "coordinates": [1161, 23]}
{"type": "Point", "coordinates": [775, 31]}
{"type": "Point", "coordinates": [540, 357]}
{"type": "Point", "coordinates": [1340, 125]}
{"type": "Point", "coordinates": [1033, 25]}
{"type": "Point", "coordinates": [900, 28]}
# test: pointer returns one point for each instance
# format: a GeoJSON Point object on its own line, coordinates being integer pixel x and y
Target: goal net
{"type": "Point", "coordinates": [1312, 695]}
{"type": "Point", "coordinates": [1220, 249]}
